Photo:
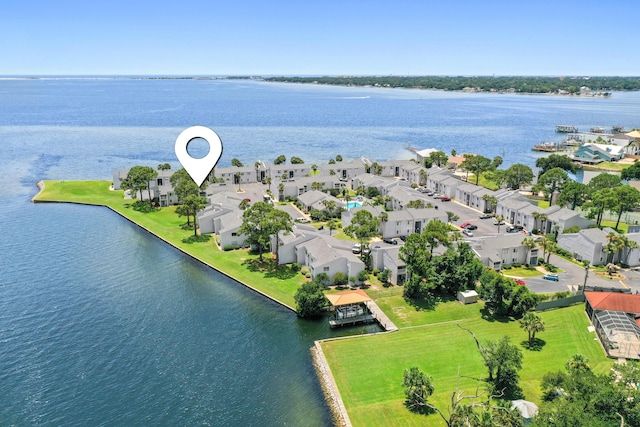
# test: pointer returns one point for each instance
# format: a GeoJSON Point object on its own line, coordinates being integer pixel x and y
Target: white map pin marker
{"type": "Point", "coordinates": [198, 169]}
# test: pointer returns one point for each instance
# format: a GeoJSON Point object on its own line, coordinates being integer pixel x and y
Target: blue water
{"type": "Point", "coordinates": [102, 324]}
{"type": "Point", "coordinates": [351, 205]}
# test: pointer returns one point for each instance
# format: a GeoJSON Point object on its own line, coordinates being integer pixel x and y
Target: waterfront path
{"type": "Point", "coordinates": [382, 318]}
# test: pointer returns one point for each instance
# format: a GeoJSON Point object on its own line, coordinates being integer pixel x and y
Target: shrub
{"type": "Point", "coordinates": [574, 229]}
{"type": "Point", "coordinates": [295, 267]}
{"type": "Point", "coordinates": [340, 279]}
{"type": "Point", "coordinates": [198, 238]}
{"type": "Point", "coordinates": [305, 271]}
{"type": "Point", "coordinates": [565, 253]}
{"type": "Point", "coordinates": [384, 276]}
{"type": "Point", "coordinates": [363, 276]}
{"type": "Point", "coordinates": [375, 272]}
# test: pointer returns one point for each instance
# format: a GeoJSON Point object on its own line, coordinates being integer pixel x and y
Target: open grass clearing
{"type": "Point", "coordinates": [368, 370]}
{"type": "Point", "coordinates": [521, 272]}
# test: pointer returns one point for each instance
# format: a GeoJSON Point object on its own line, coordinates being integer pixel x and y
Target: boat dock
{"type": "Point", "coordinates": [382, 318]}
{"type": "Point", "coordinates": [566, 129]}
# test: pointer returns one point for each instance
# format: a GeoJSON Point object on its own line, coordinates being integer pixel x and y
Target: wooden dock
{"type": "Point", "coordinates": [382, 318]}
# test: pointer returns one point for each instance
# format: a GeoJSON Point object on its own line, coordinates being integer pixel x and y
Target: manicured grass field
{"type": "Point", "coordinates": [280, 285]}
{"type": "Point", "coordinates": [522, 272]}
{"type": "Point", "coordinates": [368, 370]}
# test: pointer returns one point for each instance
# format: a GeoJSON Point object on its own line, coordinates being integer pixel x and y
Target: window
{"type": "Point", "coordinates": [159, 181]}
{"type": "Point", "coordinates": [325, 269]}
{"type": "Point", "coordinates": [234, 234]}
{"type": "Point", "coordinates": [515, 250]}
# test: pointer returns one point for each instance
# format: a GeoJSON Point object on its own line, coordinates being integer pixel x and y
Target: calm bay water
{"type": "Point", "coordinates": [102, 324]}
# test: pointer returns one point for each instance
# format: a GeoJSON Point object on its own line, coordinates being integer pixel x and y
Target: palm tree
{"type": "Point", "coordinates": [529, 243]}
{"type": "Point", "coordinates": [268, 181]}
{"type": "Point", "coordinates": [533, 324]}
{"type": "Point", "coordinates": [423, 177]}
{"type": "Point", "coordinates": [492, 201]}
{"type": "Point", "coordinates": [631, 245]}
{"type": "Point", "coordinates": [578, 363]}
{"type": "Point", "coordinates": [314, 168]}
{"type": "Point", "coordinates": [330, 206]}
{"type": "Point", "coordinates": [244, 204]}
{"type": "Point", "coordinates": [615, 244]}
{"type": "Point", "coordinates": [499, 220]}
{"type": "Point", "coordinates": [384, 217]}
{"type": "Point", "coordinates": [333, 224]}
{"type": "Point", "coordinates": [418, 388]}
{"type": "Point", "coordinates": [281, 192]}
{"type": "Point", "coordinates": [238, 176]}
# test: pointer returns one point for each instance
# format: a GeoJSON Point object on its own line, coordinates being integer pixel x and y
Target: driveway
{"type": "Point", "coordinates": [572, 276]}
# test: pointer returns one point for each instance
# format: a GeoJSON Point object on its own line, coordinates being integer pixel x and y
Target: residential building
{"type": "Point", "coordinates": [388, 258]}
{"type": "Point", "coordinates": [504, 250]}
{"type": "Point", "coordinates": [596, 153]}
{"type": "Point", "coordinates": [586, 245]}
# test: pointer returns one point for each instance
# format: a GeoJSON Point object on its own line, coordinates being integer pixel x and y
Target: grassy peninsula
{"type": "Point", "coordinates": [166, 224]}
{"type": "Point", "coordinates": [368, 370]}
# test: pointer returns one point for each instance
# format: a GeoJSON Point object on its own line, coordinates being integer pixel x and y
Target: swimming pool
{"type": "Point", "coordinates": [354, 205]}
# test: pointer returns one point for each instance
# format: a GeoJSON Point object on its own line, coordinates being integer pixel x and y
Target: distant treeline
{"type": "Point", "coordinates": [569, 85]}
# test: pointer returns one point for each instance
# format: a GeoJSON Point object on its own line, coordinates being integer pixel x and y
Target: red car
{"type": "Point", "coordinates": [465, 224]}
{"type": "Point", "coordinates": [445, 199]}
{"type": "Point", "coordinates": [519, 282]}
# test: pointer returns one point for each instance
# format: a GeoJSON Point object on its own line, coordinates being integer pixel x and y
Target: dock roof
{"type": "Point", "coordinates": [357, 296]}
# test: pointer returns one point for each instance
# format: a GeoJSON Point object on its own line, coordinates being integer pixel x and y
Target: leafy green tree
{"type": "Point", "coordinates": [604, 180]}
{"type": "Point", "coordinates": [340, 279]}
{"type": "Point", "coordinates": [452, 217]}
{"type": "Point", "coordinates": [503, 361]}
{"type": "Point", "coordinates": [627, 198]}
{"type": "Point", "coordinates": [497, 176]}
{"type": "Point", "coordinates": [533, 324]}
{"type": "Point", "coordinates": [332, 161]}
{"type": "Point", "coordinates": [138, 179]}
{"type": "Point", "coordinates": [338, 158]}
{"type": "Point", "coordinates": [244, 204]}
{"type": "Point", "coordinates": [456, 270]}
{"type": "Point", "coordinates": [183, 210]}
{"type": "Point", "coordinates": [518, 175]}
{"type": "Point", "coordinates": [237, 163]}
{"type": "Point", "coordinates": [280, 159]}
{"type": "Point", "coordinates": [552, 180]}
{"type": "Point", "coordinates": [555, 161]}
{"type": "Point", "coordinates": [278, 221]}
{"type": "Point", "coordinates": [418, 387]}
{"type": "Point", "coordinates": [436, 234]}
{"type": "Point", "coordinates": [491, 201]}
{"type": "Point", "coordinates": [439, 158]}
{"type": "Point", "coordinates": [310, 299]}
{"type": "Point", "coordinates": [193, 203]}
{"type": "Point", "coordinates": [581, 397]}
{"type": "Point", "coordinates": [573, 194]}
{"type": "Point", "coordinates": [260, 222]}
{"type": "Point", "coordinates": [632, 172]}
{"type": "Point", "coordinates": [417, 204]}
{"type": "Point", "coordinates": [476, 164]}
{"type": "Point", "coordinates": [496, 162]}
{"type": "Point", "coordinates": [601, 200]}
{"type": "Point", "coordinates": [296, 160]}
{"type": "Point", "coordinates": [183, 185]}
{"type": "Point", "coordinates": [364, 226]}
{"type": "Point", "coordinates": [164, 166]}
{"type": "Point", "coordinates": [333, 224]}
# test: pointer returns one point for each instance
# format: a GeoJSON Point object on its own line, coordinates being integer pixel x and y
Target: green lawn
{"type": "Point", "coordinates": [521, 272]}
{"type": "Point", "coordinates": [623, 227]}
{"type": "Point", "coordinates": [368, 370]}
{"type": "Point", "coordinates": [483, 182]}
{"type": "Point", "coordinates": [165, 223]}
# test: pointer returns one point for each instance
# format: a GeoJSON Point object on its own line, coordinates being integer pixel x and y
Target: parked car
{"type": "Point", "coordinates": [437, 195]}
{"type": "Point", "coordinates": [303, 220]}
{"type": "Point", "coordinates": [429, 193]}
{"type": "Point", "coordinates": [551, 276]}
{"type": "Point", "coordinates": [357, 248]}
{"type": "Point", "coordinates": [519, 282]}
{"type": "Point", "coordinates": [486, 216]}
{"type": "Point", "coordinates": [471, 227]}
{"type": "Point", "coordinates": [465, 224]}
{"type": "Point", "coordinates": [467, 232]}
{"type": "Point", "coordinates": [391, 241]}
{"type": "Point", "coordinates": [445, 199]}
{"type": "Point", "coordinates": [514, 228]}
{"type": "Point", "coordinates": [496, 222]}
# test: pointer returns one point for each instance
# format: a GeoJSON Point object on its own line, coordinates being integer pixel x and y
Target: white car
{"type": "Point", "coordinates": [467, 232]}
{"type": "Point", "coordinates": [357, 248]}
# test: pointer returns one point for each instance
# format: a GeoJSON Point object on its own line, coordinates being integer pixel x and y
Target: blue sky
{"type": "Point", "coordinates": [448, 37]}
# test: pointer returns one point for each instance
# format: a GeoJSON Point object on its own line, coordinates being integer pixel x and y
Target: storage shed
{"type": "Point", "coordinates": [468, 297]}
